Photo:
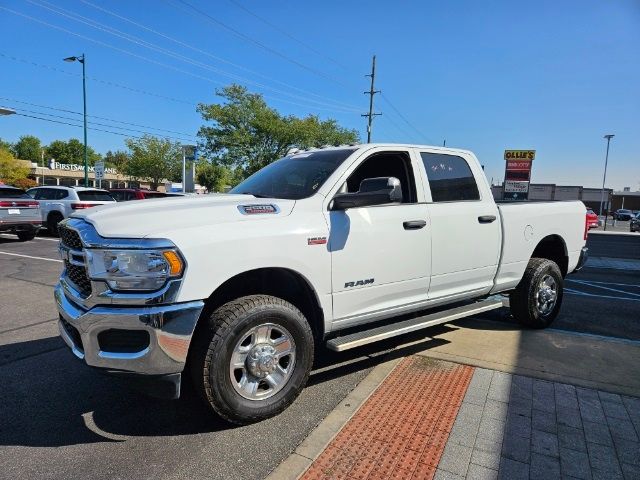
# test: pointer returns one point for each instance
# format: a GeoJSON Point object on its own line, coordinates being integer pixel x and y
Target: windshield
{"type": "Point", "coordinates": [95, 196]}
{"type": "Point", "coordinates": [295, 177]}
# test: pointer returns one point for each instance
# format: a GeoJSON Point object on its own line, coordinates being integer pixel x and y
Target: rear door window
{"type": "Point", "coordinates": [45, 194]}
{"type": "Point", "coordinates": [94, 196]}
{"type": "Point", "coordinates": [60, 194]}
{"type": "Point", "coordinates": [450, 178]}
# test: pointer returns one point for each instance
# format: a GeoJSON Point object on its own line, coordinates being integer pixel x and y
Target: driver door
{"type": "Point", "coordinates": [380, 255]}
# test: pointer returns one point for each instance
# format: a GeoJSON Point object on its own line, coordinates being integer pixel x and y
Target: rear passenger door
{"type": "Point", "coordinates": [465, 229]}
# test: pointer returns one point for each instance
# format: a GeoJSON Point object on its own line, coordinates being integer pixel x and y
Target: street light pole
{"type": "Point", "coordinates": [604, 177]}
{"type": "Point", "coordinates": [81, 59]}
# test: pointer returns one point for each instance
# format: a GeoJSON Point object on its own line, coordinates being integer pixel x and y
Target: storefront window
{"type": "Point", "coordinates": [68, 182]}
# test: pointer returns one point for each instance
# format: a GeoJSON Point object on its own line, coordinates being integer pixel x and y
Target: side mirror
{"type": "Point", "coordinates": [373, 191]}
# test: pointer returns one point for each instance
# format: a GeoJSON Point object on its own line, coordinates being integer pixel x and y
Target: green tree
{"type": "Point", "coordinates": [71, 151]}
{"type": "Point", "coordinates": [11, 170]}
{"type": "Point", "coordinates": [214, 177]}
{"type": "Point", "coordinates": [155, 159]}
{"type": "Point", "coordinates": [118, 160]}
{"type": "Point", "coordinates": [248, 134]}
{"type": "Point", "coordinates": [4, 145]}
{"type": "Point", "coordinates": [28, 147]}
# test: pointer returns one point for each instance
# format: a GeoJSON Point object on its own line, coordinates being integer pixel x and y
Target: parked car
{"type": "Point", "coordinates": [19, 213]}
{"type": "Point", "coordinates": [57, 203]}
{"type": "Point", "coordinates": [634, 224]}
{"type": "Point", "coordinates": [246, 285]}
{"type": "Point", "coordinates": [623, 214]}
{"type": "Point", "coordinates": [592, 219]}
{"type": "Point", "coordinates": [126, 194]}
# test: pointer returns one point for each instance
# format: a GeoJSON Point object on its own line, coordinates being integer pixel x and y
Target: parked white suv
{"type": "Point", "coordinates": [57, 203]}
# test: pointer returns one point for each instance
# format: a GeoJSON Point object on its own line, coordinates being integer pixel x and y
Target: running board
{"type": "Point", "coordinates": [340, 344]}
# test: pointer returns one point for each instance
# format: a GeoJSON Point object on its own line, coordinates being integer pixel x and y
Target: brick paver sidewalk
{"type": "Point", "coordinates": [436, 419]}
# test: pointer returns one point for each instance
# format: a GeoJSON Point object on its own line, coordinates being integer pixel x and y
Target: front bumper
{"type": "Point", "coordinates": [169, 327]}
{"type": "Point", "coordinates": [584, 255]}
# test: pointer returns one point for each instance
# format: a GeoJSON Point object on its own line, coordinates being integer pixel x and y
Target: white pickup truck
{"type": "Point", "coordinates": [342, 246]}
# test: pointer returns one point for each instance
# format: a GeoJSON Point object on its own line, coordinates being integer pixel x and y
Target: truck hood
{"type": "Point", "coordinates": [142, 218]}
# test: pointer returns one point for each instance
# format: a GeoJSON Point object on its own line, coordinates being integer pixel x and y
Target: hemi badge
{"type": "Point", "coordinates": [317, 241]}
{"type": "Point", "coordinates": [258, 209]}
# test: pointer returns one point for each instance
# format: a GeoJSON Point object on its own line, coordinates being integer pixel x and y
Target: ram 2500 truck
{"type": "Point", "coordinates": [340, 246]}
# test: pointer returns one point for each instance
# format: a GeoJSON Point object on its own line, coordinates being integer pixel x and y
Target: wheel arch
{"type": "Point", "coordinates": [554, 248]}
{"type": "Point", "coordinates": [280, 282]}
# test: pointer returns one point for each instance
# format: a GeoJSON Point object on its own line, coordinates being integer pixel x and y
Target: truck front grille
{"type": "Point", "coordinates": [70, 238]}
{"type": "Point", "coordinates": [78, 275]}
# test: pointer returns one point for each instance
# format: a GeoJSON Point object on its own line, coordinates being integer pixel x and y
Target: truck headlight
{"type": "Point", "coordinates": [134, 269]}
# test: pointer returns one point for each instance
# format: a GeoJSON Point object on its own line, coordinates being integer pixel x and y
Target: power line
{"type": "Point", "coordinates": [422, 135]}
{"type": "Point", "coordinates": [74, 125]}
{"type": "Point", "coordinates": [103, 125]}
{"type": "Point", "coordinates": [144, 92]}
{"type": "Point", "coordinates": [96, 116]}
{"type": "Point", "coordinates": [284, 32]}
{"type": "Point", "coordinates": [249, 39]}
{"type": "Point", "coordinates": [199, 50]}
{"type": "Point", "coordinates": [99, 80]}
{"type": "Point", "coordinates": [160, 49]}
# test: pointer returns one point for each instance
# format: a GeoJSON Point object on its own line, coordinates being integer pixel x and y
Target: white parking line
{"type": "Point", "coordinates": [616, 290]}
{"type": "Point", "coordinates": [10, 235]}
{"type": "Point", "coordinates": [585, 294]}
{"type": "Point", "coordinates": [30, 256]}
{"type": "Point", "coordinates": [607, 283]}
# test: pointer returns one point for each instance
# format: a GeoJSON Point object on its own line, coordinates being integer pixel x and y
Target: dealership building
{"type": "Point", "coordinates": [72, 175]}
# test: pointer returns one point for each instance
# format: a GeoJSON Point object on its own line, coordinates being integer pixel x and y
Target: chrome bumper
{"type": "Point", "coordinates": [170, 328]}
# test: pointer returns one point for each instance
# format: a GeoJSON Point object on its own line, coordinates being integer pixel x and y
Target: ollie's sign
{"type": "Point", "coordinates": [517, 173]}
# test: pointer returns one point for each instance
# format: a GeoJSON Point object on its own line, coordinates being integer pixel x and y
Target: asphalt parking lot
{"type": "Point", "coordinates": [63, 420]}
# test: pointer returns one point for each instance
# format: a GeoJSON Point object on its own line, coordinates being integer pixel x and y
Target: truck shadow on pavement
{"type": "Point", "coordinates": [50, 399]}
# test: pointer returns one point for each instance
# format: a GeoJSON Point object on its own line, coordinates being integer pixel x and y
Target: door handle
{"type": "Point", "coordinates": [486, 218]}
{"type": "Point", "coordinates": [414, 224]}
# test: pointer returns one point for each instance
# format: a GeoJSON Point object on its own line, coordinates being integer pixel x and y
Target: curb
{"type": "Point", "coordinates": [311, 447]}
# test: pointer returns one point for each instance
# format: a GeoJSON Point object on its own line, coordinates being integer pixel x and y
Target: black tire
{"type": "Point", "coordinates": [214, 344]}
{"type": "Point", "coordinates": [26, 236]}
{"type": "Point", "coordinates": [525, 300]}
{"type": "Point", "coordinates": [53, 220]}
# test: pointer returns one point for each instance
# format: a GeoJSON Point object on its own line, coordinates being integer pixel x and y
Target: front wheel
{"type": "Point", "coordinates": [537, 299]}
{"type": "Point", "coordinates": [252, 358]}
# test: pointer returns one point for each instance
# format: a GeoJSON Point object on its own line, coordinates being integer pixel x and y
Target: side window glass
{"type": "Point", "coordinates": [44, 194]}
{"type": "Point", "coordinates": [385, 164]}
{"type": "Point", "coordinates": [60, 194]}
{"type": "Point", "coordinates": [450, 178]}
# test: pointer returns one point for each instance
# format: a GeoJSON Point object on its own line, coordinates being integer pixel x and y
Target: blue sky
{"type": "Point", "coordinates": [552, 76]}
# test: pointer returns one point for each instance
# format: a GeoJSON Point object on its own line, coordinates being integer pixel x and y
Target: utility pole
{"type": "Point", "coordinates": [371, 93]}
{"type": "Point", "coordinates": [604, 177]}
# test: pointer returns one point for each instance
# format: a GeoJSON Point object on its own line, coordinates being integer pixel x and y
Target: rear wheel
{"type": "Point", "coordinates": [26, 236]}
{"type": "Point", "coordinates": [53, 220]}
{"type": "Point", "coordinates": [537, 299]}
{"type": "Point", "coordinates": [252, 358]}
